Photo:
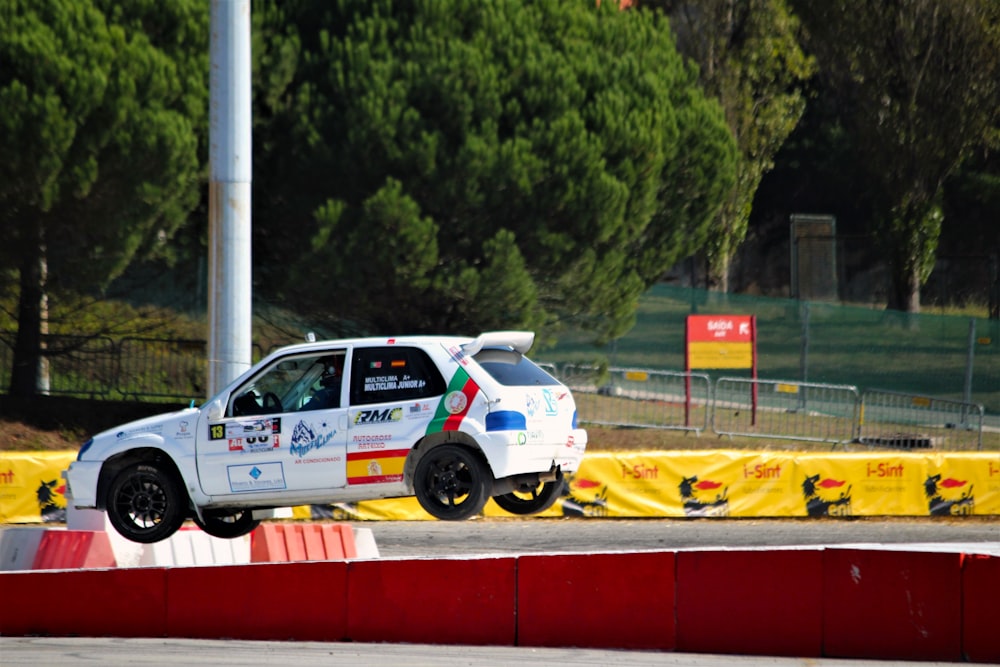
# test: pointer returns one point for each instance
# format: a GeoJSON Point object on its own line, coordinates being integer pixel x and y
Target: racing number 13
{"type": "Point", "coordinates": [217, 432]}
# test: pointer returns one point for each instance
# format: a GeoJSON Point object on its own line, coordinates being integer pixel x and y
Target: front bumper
{"type": "Point", "coordinates": [81, 483]}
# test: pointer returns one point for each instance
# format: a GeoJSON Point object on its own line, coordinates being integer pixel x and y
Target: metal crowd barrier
{"type": "Point", "coordinates": [777, 409]}
{"type": "Point", "coordinates": [640, 398]}
{"type": "Point", "coordinates": [781, 409]}
{"type": "Point", "coordinates": [890, 419]}
{"type": "Point", "coordinates": [159, 369]}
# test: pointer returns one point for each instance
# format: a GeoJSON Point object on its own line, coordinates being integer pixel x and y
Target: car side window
{"type": "Point", "coordinates": [307, 382]}
{"type": "Point", "coordinates": [387, 374]}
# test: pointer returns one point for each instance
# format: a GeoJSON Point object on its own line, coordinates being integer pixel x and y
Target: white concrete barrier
{"type": "Point", "coordinates": [18, 547]}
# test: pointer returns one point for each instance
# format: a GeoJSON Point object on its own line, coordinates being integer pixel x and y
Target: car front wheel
{"type": "Point", "coordinates": [145, 503]}
{"type": "Point", "coordinates": [452, 483]}
{"type": "Point", "coordinates": [227, 524]}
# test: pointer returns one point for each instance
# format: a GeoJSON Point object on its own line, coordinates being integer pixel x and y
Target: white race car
{"type": "Point", "coordinates": [451, 420]}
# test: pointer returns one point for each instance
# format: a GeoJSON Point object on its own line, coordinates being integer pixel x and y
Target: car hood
{"type": "Point", "coordinates": [170, 423]}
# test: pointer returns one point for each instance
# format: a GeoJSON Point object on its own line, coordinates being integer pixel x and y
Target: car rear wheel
{"type": "Point", "coordinates": [452, 483]}
{"type": "Point", "coordinates": [531, 500]}
{"type": "Point", "coordinates": [227, 524]}
{"type": "Point", "coordinates": [145, 503]}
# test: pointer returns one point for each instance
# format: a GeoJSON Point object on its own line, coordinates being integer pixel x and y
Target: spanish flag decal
{"type": "Point", "coordinates": [376, 467]}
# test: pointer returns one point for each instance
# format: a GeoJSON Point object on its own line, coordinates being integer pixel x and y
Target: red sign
{"type": "Point", "coordinates": [719, 328]}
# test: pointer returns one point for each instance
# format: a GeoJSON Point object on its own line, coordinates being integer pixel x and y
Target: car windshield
{"type": "Point", "coordinates": [512, 369]}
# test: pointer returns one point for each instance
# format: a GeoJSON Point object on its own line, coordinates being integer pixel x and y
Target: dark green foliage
{"type": "Point", "coordinates": [919, 84]}
{"type": "Point", "coordinates": [456, 165]}
{"type": "Point", "coordinates": [103, 107]}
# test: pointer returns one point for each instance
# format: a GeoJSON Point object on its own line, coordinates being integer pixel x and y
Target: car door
{"type": "Point", "coordinates": [393, 392]}
{"type": "Point", "coordinates": [277, 435]}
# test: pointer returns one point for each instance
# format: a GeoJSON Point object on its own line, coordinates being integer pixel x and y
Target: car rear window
{"type": "Point", "coordinates": [513, 369]}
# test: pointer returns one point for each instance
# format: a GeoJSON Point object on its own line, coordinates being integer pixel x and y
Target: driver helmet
{"type": "Point", "coordinates": [331, 372]}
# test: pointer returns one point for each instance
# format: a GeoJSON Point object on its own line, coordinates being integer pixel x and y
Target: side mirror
{"type": "Point", "coordinates": [216, 410]}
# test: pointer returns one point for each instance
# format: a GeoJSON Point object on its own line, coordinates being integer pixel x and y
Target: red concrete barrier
{"type": "Point", "coordinates": [285, 601]}
{"type": "Point", "coordinates": [892, 605]}
{"type": "Point", "coordinates": [980, 592]}
{"type": "Point", "coordinates": [87, 603]}
{"type": "Point", "coordinates": [281, 542]}
{"type": "Point", "coordinates": [433, 601]}
{"type": "Point", "coordinates": [73, 550]}
{"type": "Point", "coordinates": [750, 602]}
{"type": "Point", "coordinates": [870, 604]}
{"type": "Point", "coordinates": [597, 601]}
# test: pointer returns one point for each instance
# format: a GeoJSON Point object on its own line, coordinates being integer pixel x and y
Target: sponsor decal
{"type": "Point", "coordinates": [697, 497]}
{"type": "Point", "coordinates": [361, 442]}
{"type": "Point", "coordinates": [48, 495]}
{"type": "Point", "coordinates": [183, 430]}
{"type": "Point", "coordinates": [249, 436]}
{"type": "Point", "coordinates": [392, 382]}
{"type": "Point", "coordinates": [305, 439]}
{"type": "Point", "coordinates": [584, 498]}
{"type": "Point", "coordinates": [455, 402]}
{"type": "Point", "coordinates": [363, 417]}
{"type": "Point", "coordinates": [446, 420]}
{"type": "Point", "coordinates": [949, 496]}
{"type": "Point", "coordinates": [418, 410]}
{"type": "Point", "coordinates": [762, 471]}
{"type": "Point", "coordinates": [324, 459]}
{"type": "Point", "coordinates": [376, 467]}
{"type": "Point", "coordinates": [551, 402]}
{"type": "Point", "coordinates": [640, 471]}
{"type": "Point", "coordinates": [459, 356]}
{"type": "Point", "coordinates": [826, 496]}
{"type": "Point", "coordinates": [142, 430]}
{"type": "Point", "coordinates": [256, 477]}
{"type": "Point", "coordinates": [531, 406]}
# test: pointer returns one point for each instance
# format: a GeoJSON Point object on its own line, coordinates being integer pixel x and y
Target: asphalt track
{"type": "Point", "coordinates": [418, 539]}
{"type": "Point", "coordinates": [486, 537]}
{"type": "Point", "coordinates": [72, 652]}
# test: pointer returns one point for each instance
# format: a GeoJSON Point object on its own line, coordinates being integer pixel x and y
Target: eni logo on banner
{"type": "Point", "coordinates": [722, 341]}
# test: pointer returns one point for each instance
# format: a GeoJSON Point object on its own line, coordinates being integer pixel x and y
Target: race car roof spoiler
{"type": "Point", "coordinates": [519, 340]}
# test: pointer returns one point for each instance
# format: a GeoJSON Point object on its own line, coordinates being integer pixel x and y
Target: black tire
{"type": "Point", "coordinates": [227, 524]}
{"type": "Point", "coordinates": [531, 500]}
{"type": "Point", "coordinates": [452, 483]}
{"type": "Point", "coordinates": [146, 503]}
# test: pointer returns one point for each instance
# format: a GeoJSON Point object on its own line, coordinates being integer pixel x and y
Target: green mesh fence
{"type": "Point", "coordinates": [923, 354]}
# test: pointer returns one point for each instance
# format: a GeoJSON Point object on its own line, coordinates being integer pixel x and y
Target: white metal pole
{"type": "Point", "coordinates": [229, 265]}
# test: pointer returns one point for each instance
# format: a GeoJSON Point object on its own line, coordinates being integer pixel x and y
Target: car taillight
{"type": "Point", "coordinates": [506, 420]}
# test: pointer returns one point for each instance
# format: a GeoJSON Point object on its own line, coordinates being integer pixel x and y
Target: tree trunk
{"type": "Point", "coordinates": [29, 375]}
{"type": "Point", "coordinates": [905, 292]}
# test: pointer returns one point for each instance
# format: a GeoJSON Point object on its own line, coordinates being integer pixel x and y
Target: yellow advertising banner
{"type": "Point", "coordinates": [723, 483]}
{"type": "Point", "coordinates": [730, 483]}
{"type": "Point", "coordinates": [32, 489]}
{"type": "Point", "coordinates": [709, 483]}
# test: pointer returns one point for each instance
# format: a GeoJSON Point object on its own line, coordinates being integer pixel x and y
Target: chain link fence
{"type": "Point", "coordinates": [935, 377]}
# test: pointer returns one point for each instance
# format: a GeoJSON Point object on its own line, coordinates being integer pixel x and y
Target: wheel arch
{"type": "Point", "coordinates": [118, 462]}
{"type": "Point", "coordinates": [429, 442]}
